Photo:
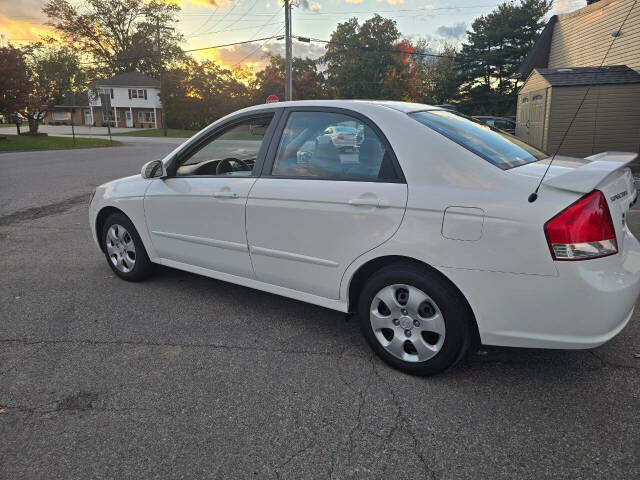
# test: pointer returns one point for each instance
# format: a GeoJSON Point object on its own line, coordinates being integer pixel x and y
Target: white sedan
{"type": "Point", "coordinates": [424, 231]}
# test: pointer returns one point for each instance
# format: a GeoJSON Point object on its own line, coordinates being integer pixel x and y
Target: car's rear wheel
{"type": "Point", "coordinates": [124, 250]}
{"type": "Point", "coordinates": [414, 319]}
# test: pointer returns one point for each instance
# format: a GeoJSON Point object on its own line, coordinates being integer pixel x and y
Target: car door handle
{"type": "Point", "coordinates": [225, 194]}
{"type": "Point", "coordinates": [370, 202]}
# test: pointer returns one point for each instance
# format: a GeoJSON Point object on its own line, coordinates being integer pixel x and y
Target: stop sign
{"type": "Point", "coordinates": [272, 99]}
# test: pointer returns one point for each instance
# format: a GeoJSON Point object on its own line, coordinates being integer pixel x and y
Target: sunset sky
{"type": "Point", "coordinates": [214, 22]}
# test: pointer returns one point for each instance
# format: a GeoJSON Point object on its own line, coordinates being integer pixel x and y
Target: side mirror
{"type": "Point", "coordinates": [153, 169]}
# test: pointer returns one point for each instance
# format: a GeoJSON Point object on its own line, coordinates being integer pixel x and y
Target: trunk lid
{"type": "Point", "coordinates": [607, 172]}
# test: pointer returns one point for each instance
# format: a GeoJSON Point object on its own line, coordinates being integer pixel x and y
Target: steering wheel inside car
{"type": "Point", "coordinates": [225, 166]}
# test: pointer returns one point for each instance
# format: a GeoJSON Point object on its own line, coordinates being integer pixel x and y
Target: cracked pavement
{"type": "Point", "coordinates": [188, 377]}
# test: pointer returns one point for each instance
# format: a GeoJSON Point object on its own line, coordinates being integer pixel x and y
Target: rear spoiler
{"type": "Point", "coordinates": [587, 177]}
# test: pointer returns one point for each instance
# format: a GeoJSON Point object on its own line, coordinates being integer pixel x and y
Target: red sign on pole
{"type": "Point", "coordinates": [272, 99]}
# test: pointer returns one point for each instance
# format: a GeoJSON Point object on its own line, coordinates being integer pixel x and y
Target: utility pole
{"type": "Point", "coordinates": [288, 84]}
{"type": "Point", "coordinates": [160, 72]}
{"type": "Point", "coordinates": [158, 49]}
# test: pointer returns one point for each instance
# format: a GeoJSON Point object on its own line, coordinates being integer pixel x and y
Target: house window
{"type": "Point", "coordinates": [108, 116]}
{"type": "Point", "coordinates": [62, 115]}
{"type": "Point", "coordinates": [147, 117]}
{"type": "Point", "coordinates": [525, 100]}
{"type": "Point", "coordinates": [108, 91]}
{"type": "Point", "coordinates": [537, 98]}
{"type": "Point", "coordinates": [137, 93]}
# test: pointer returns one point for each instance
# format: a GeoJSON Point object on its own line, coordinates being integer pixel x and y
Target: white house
{"type": "Point", "coordinates": [135, 102]}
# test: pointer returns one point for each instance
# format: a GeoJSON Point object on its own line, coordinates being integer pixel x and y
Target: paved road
{"type": "Point", "coordinates": [187, 377]}
{"type": "Point", "coordinates": [40, 179]}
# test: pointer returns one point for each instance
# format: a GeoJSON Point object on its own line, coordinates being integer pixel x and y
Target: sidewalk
{"type": "Point", "coordinates": [96, 132]}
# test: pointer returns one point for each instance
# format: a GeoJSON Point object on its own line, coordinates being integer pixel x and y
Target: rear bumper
{"type": "Point", "coordinates": [586, 305]}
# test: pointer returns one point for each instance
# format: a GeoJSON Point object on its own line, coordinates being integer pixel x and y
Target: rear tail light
{"type": "Point", "coordinates": [583, 230]}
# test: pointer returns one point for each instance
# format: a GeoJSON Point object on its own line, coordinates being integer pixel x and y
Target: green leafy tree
{"type": "Point", "coordinates": [195, 94]}
{"type": "Point", "coordinates": [51, 72]}
{"type": "Point", "coordinates": [14, 84]}
{"type": "Point", "coordinates": [497, 44]}
{"type": "Point", "coordinates": [362, 61]}
{"type": "Point", "coordinates": [308, 82]}
{"type": "Point", "coordinates": [442, 76]}
{"type": "Point", "coordinates": [119, 35]}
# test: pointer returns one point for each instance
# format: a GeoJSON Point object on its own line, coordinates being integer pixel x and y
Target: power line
{"type": "Point", "coordinates": [234, 29]}
{"type": "Point", "coordinates": [256, 34]}
{"type": "Point", "coordinates": [140, 57]}
{"type": "Point", "coordinates": [259, 47]}
{"type": "Point", "coordinates": [372, 49]}
{"type": "Point", "coordinates": [211, 16]}
{"type": "Point", "coordinates": [342, 12]}
{"type": "Point", "coordinates": [234, 21]}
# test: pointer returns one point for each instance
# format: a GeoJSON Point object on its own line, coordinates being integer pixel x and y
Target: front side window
{"type": "Point", "coordinates": [326, 145]}
{"type": "Point", "coordinates": [233, 152]}
{"type": "Point", "coordinates": [501, 149]}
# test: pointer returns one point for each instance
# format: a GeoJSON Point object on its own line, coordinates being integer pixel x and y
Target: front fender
{"type": "Point", "coordinates": [127, 196]}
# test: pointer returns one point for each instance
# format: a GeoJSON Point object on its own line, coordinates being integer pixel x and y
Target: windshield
{"type": "Point", "coordinates": [499, 148]}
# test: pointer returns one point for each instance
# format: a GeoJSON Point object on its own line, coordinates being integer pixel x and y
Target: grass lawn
{"type": "Point", "coordinates": [11, 125]}
{"type": "Point", "coordinates": [157, 132]}
{"type": "Point", "coordinates": [25, 142]}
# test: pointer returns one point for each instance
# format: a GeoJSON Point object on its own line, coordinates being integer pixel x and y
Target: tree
{"type": "Point", "coordinates": [14, 84]}
{"type": "Point", "coordinates": [497, 44]}
{"type": "Point", "coordinates": [195, 94]}
{"type": "Point", "coordinates": [441, 76]}
{"type": "Point", "coordinates": [119, 35]}
{"type": "Point", "coordinates": [308, 82]}
{"type": "Point", "coordinates": [51, 72]}
{"type": "Point", "coordinates": [362, 61]}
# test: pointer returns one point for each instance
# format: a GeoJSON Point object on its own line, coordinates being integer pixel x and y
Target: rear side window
{"type": "Point", "coordinates": [331, 146]}
{"type": "Point", "coordinates": [501, 149]}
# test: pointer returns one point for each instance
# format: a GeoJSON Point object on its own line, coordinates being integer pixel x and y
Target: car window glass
{"type": "Point", "coordinates": [331, 146]}
{"type": "Point", "coordinates": [230, 153]}
{"type": "Point", "coordinates": [501, 149]}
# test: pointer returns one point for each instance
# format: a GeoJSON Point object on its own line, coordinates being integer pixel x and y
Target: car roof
{"type": "Point", "coordinates": [404, 107]}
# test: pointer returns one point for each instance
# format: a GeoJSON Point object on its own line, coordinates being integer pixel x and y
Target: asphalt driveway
{"type": "Point", "coordinates": [187, 377]}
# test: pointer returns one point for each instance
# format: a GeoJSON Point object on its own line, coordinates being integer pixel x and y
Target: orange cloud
{"type": "Point", "coordinates": [355, 1]}
{"type": "Point", "coordinates": [248, 55]}
{"type": "Point", "coordinates": [19, 31]}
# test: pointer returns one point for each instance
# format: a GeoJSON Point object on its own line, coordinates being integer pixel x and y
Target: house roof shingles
{"type": "Point", "coordinates": [563, 77]}
{"type": "Point", "coordinates": [129, 79]}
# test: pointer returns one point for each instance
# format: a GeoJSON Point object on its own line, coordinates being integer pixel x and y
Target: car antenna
{"type": "Point", "coordinates": [534, 195]}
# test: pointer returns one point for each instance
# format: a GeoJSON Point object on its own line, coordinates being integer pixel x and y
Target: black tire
{"type": "Point", "coordinates": [458, 318]}
{"type": "Point", "coordinates": [142, 268]}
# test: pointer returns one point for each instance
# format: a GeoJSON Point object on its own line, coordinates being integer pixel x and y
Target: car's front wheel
{"type": "Point", "coordinates": [124, 249]}
{"type": "Point", "coordinates": [414, 319]}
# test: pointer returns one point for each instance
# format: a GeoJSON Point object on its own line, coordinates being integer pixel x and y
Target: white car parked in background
{"type": "Point", "coordinates": [424, 229]}
{"type": "Point", "coordinates": [341, 136]}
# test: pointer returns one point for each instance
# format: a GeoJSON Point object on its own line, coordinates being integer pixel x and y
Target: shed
{"type": "Point", "coordinates": [609, 118]}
